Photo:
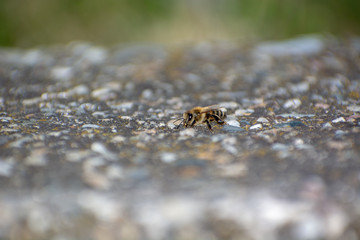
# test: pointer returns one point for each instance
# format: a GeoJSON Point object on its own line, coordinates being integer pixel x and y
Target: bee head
{"type": "Point", "coordinates": [188, 119]}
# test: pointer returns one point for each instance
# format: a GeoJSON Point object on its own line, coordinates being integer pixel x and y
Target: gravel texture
{"type": "Point", "coordinates": [89, 147]}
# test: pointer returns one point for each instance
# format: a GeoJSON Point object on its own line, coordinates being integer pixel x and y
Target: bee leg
{"type": "Point", "coordinates": [208, 124]}
{"type": "Point", "coordinates": [217, 119]}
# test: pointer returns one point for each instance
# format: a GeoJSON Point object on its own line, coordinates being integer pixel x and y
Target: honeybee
{"type": "Point", "coordinates": [200, 115]}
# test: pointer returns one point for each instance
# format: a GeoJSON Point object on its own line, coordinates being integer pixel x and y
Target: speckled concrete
{"type": "Point", "coordinates": [89, 147]}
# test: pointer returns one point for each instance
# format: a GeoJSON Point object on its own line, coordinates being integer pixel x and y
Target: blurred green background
{"type": "Point", "coordinates": [27, 23]}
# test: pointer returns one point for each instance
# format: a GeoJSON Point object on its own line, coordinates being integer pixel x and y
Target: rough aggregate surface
{"type": "Point", "coordinates": [89, 147]}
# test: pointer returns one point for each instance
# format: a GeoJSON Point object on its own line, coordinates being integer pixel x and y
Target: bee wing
{"type": "Point", "coordinates": [213, 107]}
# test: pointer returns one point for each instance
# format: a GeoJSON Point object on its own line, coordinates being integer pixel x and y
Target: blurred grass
{"type": "Point", "coordinates": [38, 22]}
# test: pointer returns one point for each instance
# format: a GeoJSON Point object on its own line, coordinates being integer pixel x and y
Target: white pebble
{"type": "Point", "coordinates": [103, 94]}
{"type": "Point", "coordinates": [37, 158]}
{"type": "Point", "coordinates": [126, 118]}
{"type": "Point", "coordinates": [94, 55]}
{"type": "Point", "coordinates": [101, 149]}
{"type": "Point", "coordinates": [99, 114]}
{"type": "Point", "coordinates": [301, 46]}
{"type": "Point", "coordinates": [39, 219]}
{"type": "Point", "coordinates": [300, 87]}
{"type": "Point", "coordinates": [31, 101]}
{"type": "Point", "coordinates": [6, 168]}
{"type": "Point", "coordinates": [76, 155]}
{"type": "Point", "coordinates": [168, 157]}
{"type": "Point", "coordinates": [104, 208]}
{"type": "Point", "coordinates": [190, 132]}
{"type": "Point", "coordinates": [90, 126]}
{"type": "Point", "coordinates": [55, 133]}
{"type": "Point", "coordinates": [20, 142]}
{"type": "Point", "coordinates": [256, 126]}
{"type": "Point", "coordinates": [5, 119]}
{"type": "Point", "coordinates": [114, 172]}
{"type": "Point", "coordinates": [340, 119]}
{"type": "Point", "coordinates": [233, 170]}
{"type": "Point", "coordinates": [262, 120]}
{"type": "Point", "coordinates": [327, 125]}
{"type": "Point", "coordinates": [243, 112]}
{"type": "Point", "coordinates": [233, 122]}
{"type": "Point", "coordinates": [123, 106]}
{"type": "Point", "coordinates": [119, 139]}
{"type": "Point", "coordinates": [79, 90]}
{"type": "Point", "coordinates": [147, 94]}
{"type": "Point", "coordinates": [62, 73]}
{"type": "Point", "coordinates": [354, 108]}
{"type": "Point", "coordinates": [229, 105]}
{"type": "Point", "coordinates": [279, 147]}
{"type": "Point", "coordinates": [292, 103]}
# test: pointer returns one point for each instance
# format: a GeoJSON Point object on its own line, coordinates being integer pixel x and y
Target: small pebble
{"type": "Point", "coordinates": [147, 94]}
{"type": "Point", "coordinates": [92, 176]}
{"type": "Point", "coordinates": [301, 46]}
{"type": "Point", "coordinates": [354, 108]}
{"type": "Point", "coordinates": [243, 112]}
{"type": "Point", "coordinates": [32, 101]}
{"type": "Point", "coordinates": [339, 119]}
{"type": "Point", "coordinates": [9, 130]}
{"type": "Point", "coordinates": [168, 157]}
{"type": "Point", "coordinates": [296, 124]}
{"type": "Point", "coordinates": [339, 134]}
{"type": "Point", "coordinates": [55, 134]}
{"type": "Point", "coordinates": [79, 90]}
{"type": "Point", "coordinates": [280, 147]}
{"type": "Point", "coordinates": [295, 115]}
{"type": "Point", "coordinates": [188, 132]}
{"type": "Point", "coordinates": [327, 125]}
{"type": "Point", "coordinates": [233, 123]}
{"type": "Point", "coordinates": [90, 126]}
{"type": "Point", "coordinates": [101, 206]}
{"type": "Point", "coordinates": [292, 103]}
{"type": "Point", "coordinates": [6, 119]}
{"type": "Point", "coordinates": [232, 129]}
{"type": "Point", "coordinates": [124, 106]}
{"type": "Point", "coordinates": [262, 120]}
{"type": "Point", "coordinates": [256, 127]}
{"type": "Point", "coordinates": [99, 114]}
{"type": "Point", "coordinates": [233, 170]}
{"type": "Point", "coordinates": [126, 118]}
{"type": "Point", "coordinates": [94, 55]}
{"type": "Point", "coordinates": [100, 148]}
{"type": "Point", "coordinates": [62, 73]}
{"type": "Point", "coordinates": [119, 139]}
{"type": "Point", "coordinates": [39, 219]}
{"type": "Point", "coordinates": [21, 141]}
{"type": "Point", "coordinates": [76, 155]}
{"type": "Point", "coordinates": [37, 158]}
{"type": "Point", "coordinates": [229, 105]}
{"type": "Point", "coordinates": [35, 57]}
{"type": "Point", "coordinates": [322, 105]}
{"type": "Point", "coordinates": [103, 94]}
{"type": "Point", "coordinates": [300, 87]}
{"type": "Point", "coordinates": [6, 168]}
{"type": "Point", "coordinates": [114, 172]}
